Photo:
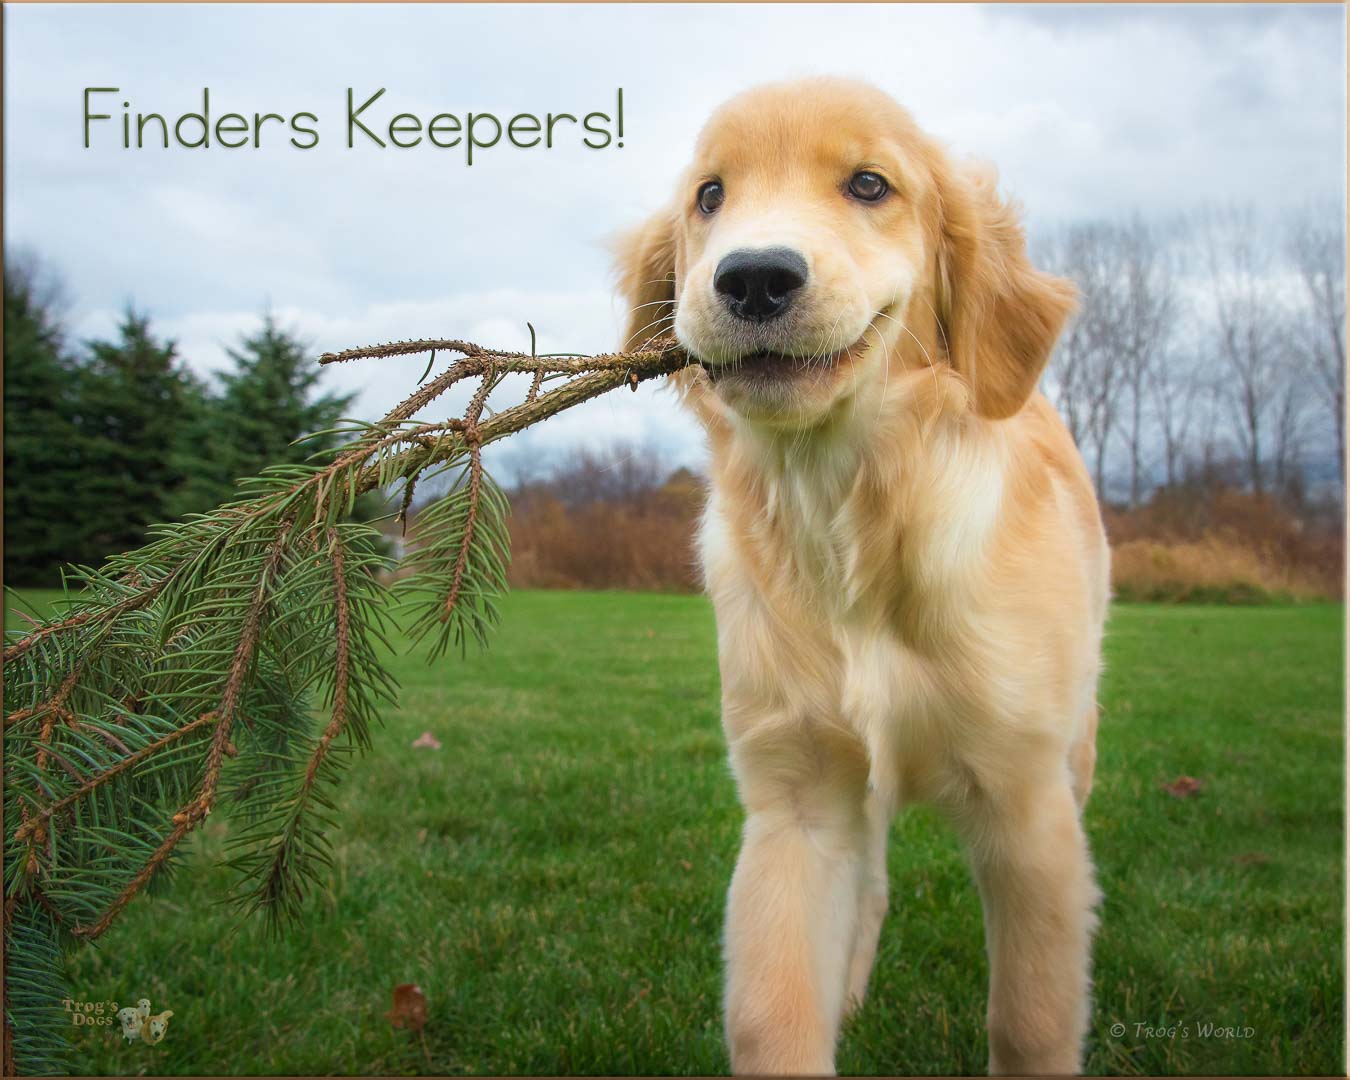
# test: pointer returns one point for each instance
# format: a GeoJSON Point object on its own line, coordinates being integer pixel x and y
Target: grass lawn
{"type": "Point", "coordinates": [553, 878]}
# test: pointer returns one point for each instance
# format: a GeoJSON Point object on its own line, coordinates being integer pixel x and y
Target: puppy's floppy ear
{"type": "Point", "coordinates": [646, 260]}
{"type": "Point", "coordinates": [999, 315]}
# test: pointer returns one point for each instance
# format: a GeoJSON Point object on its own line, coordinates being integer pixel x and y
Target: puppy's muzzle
{"type": "Point", "coordinates": [758, 286]}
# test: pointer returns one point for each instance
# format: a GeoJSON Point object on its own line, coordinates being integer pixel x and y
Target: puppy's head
{"type": "Point", "coordinates": [818, 240]}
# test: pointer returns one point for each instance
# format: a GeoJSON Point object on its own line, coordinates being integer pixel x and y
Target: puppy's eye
{"type": "Point", "coordinates": [710, 196]}
{"type": "Point", "coordinates": [867, 186]}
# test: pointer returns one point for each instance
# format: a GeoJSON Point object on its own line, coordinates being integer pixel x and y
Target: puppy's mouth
{"type": "Point", "coordinates": [766, 365]}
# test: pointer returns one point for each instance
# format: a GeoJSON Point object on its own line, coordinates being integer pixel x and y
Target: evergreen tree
{"type": "Point", "coordinates": [201, 453]}
{"type": "Point", "coordinates": [134, 399]}
{"type": "Point", "coordinates": [266, 403]}
{"type": "Point", "coordinates": [41, 467]}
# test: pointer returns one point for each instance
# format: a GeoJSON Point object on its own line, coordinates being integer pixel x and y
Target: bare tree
{"type": "Point", "coordinates": [1142, 334]}
{"type": "Point", "coordinates": [1084, 379]}
{"type": "Point", "coordinates": [1164, 352]}
{"type": "Point", "coordinates": [1251, 332]}
{"type": "Point", "coordinates": [1068, 377]}
{"type": "Point", "coordinates": [1178, 390]}
{"type": "Point", "coordinates": [1288, 415]}
{"type": "Point", "coordinates": [1317, 251]}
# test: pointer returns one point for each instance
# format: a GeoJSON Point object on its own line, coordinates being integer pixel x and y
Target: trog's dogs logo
{"type": "Point", "coordinates": [137, 1022]}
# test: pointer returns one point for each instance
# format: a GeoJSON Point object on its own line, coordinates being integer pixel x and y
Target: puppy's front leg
{"type": "Point", "coordinates": [1036, 882]}
{"type": "Point", "coordinates": [873, 901]}
{"type": "Point", "coordinates": [792, 912]}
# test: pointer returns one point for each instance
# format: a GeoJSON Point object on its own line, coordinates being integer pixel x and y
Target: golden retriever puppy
{"type": "Point", "coordinates": [903, 549]}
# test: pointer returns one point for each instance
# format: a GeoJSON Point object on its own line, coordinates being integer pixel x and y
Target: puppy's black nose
{"type": "Point", "coordinates": [759, 285]}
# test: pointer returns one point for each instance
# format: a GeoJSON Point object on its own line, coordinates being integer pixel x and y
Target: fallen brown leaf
{"type": "Point", "coordinates": [1183, 787]}
{"type": "Point", "coordinates": [410, 1007]}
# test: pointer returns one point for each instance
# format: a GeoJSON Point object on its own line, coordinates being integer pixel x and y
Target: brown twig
{"type": "Point", "coordinates": [342, 668]}
{"type": "Point", "coordinates": [610, 373]}
{"type": "Point", "coordinates": [538, 379]}
{"type": "Point", "coordinates": [240, 667]}
{"type": "Point", "coordinates": [471, 437]}
{"type": "Point", "coordinates": [409, 490]}
{"type": "Point", "coordinates": [407, 348]}
{"type": "Point", "coordinates": [131, 603]}
{"type": "Point", "coordinates": [54, 705]}
{"type": "Point", "coordinates": [661, 357]}
{"type": "Point", "coordinates": [341, 686]}
{"type": "Point", "coordinates": [195, 811]}
{"type": "Point", "coordinates": [51, 711]}
{"type": "Point", "coordinates": [137, 883]}
{"type": "Point", "coordinates": [110, 773]}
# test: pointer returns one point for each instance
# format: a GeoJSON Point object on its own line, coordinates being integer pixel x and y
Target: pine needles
{"type": "Point", "coordinates": [184, 678]}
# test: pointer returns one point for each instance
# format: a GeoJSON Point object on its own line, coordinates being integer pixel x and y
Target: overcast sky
{"type": "Point", "coordinates": [1087, 111]}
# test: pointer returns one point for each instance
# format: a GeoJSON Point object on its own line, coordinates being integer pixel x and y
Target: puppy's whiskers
{"type": "Point", "coordinates": [636, 336]}
{"type": "Point", "coordinates": [932, 371]}
{"type": "Point", "coordinates": [886, 370]}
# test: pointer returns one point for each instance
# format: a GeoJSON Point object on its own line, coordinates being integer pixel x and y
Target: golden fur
{"type": "Point", "coordinates": [906, 560]}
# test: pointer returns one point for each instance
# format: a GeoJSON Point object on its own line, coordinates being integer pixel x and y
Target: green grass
{"type": "Point", "coordinates": [554, 877]}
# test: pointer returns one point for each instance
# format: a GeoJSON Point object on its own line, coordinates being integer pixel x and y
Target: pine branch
{"type": "Point", "coordinates": [184, 676]}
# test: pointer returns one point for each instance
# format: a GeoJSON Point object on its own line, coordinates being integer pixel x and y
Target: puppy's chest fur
{"type": "Point", "coordinates": [844, 604]}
